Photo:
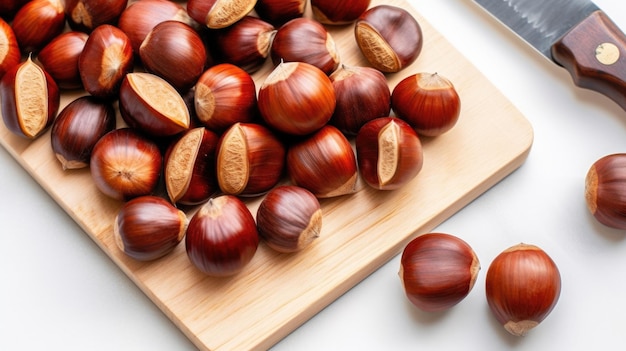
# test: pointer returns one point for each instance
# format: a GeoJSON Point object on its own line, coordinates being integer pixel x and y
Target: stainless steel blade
{"type": "Point", "coordinates": [540, 22]}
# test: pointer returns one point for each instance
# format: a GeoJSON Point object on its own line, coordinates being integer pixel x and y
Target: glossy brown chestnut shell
{"type": "Point", "coordinates": [279, 12]}
{"type": "Point", "coordinates": [605, 190]}
{"type": "Point", "coordinates": [10, 54]}
{"type": "Point", "coordinates": [87, 15]}
{"type": "Point", "coordinates": [60, 59]}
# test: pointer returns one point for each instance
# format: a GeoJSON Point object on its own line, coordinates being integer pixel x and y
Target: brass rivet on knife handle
{"type": "Point", "coordinates": [607, 53]}
{"type": "Point", "coordinates": [577, 52]}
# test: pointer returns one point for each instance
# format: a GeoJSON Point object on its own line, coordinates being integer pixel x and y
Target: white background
{"type": "Point", "coordinates": [59, 291]}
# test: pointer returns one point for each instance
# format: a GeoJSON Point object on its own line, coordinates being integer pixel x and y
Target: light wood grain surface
{"type": "Point", "coordinates": [276, 293]}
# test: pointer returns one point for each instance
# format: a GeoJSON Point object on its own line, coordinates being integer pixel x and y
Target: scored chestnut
{"type": "Point", "coordinates": [523, 285]}
{"type": "Point", "coordinates": [297, 98]}
{"type": "Point", "coordinates": [216, 14]}
{"type": "Point", "coordinates": [605, 190]}
{"type": "Point", "coordinates": [30, 99]}
{"type": "Point", "coordinates": [250, 159]}
{"type": "Point", "coordinates": [289, 218]}
{"type": "Point", "coordinates": [150, 104]}
{"type": "Point", "coordinates": [189, 170]}
{"type": "Point", "coordinates": [221, 237]}
{"type": "Point", "coordinates": [389, 153]}
{"type": "Point", "coordinates": [438, 271]}
{"type": "Point", "coordinates": [429, 102]}
{"type": "Point", "coordinates": [124, 164]}
{"type": "Point", "coordinates": [77, 129]}
{"type": "Point", "coordinates": [323, 163]}
{"type": "Point", "coordinates": [87, 15]}
{"type": "Point", "coordinates": [389, 37]}
{"type": "Point", "coordinates": [148, 227]}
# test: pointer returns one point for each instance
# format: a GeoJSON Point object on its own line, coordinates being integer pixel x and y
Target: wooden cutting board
{"type": "Point", "coordinates": [276, 293]}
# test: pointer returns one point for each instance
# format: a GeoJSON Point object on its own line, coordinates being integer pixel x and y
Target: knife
{"type": "Point", "coordinates": [575, 34]}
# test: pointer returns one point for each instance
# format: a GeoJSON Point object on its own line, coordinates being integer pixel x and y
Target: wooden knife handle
{"type": "Point", "coordinates": [594, 53]}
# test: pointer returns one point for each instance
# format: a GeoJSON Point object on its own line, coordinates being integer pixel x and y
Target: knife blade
{"type": "Point", "coordinates": [574, 34]}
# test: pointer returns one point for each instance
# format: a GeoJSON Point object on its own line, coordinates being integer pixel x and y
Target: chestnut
{"type": "Point", "coordinates": [279, 12]}
{"type": "Point", "coordinates": [389, 37]}
{"type": "Point", "coordinates": [30, 99]}
{"type": "Point", "coordinates": [77, 129]}
{"type": "Point", "coordinates": [174, 51]}
{"type": "Point", "coordinates": [428, 102]}
{"type": "Point", "coordinates": [189, 169]}
{"type": "Point", "coordinates": [296, 98]}
{"type": "Point", "coordinates": [362, 95]}
{"type": "Point", "coordinates": [305, 40]}
{"type": "Point", "coordinates": [523, 285]}
{"type": "Point", "coordinates": [140, 17]}
{"type": "Point", "coordinates": [338, 12]}
{"type": "Point", "coordinates": [37, 23]}
{"type": "Point", "coordinates": [152, 105]}
{"type": "Point", "coordinates": [124, 164]}
{"type": "Point", "coordinates": [289, 218]}
{"type": "Point", "coordinates": [250, 160]}
{"type": "Point", "coordinates": [437, 271]}
{"type": "Point", "coordinates": [60, 59]}
{"type": "Point", "coordinates": [323, 163]}
{"type": "Point", "coordinates": [221, 237]}
{"type": "Point", "coordinates": [216, 14]}
{"type": "Point", "coordinates": [245, 44]}
{"type": "Point", "coordinates": [10, 54]}
{"type": "Point", "coordinates": [605, 191]}
{"type": "Point", "coordinates": [87, 15]}
{"type": "Point", "coordinates": [224, 95]}
{"type": "Point", "coordinates": [106, 59]}
{"type": "Point", "coordinates": [389, 153]}
{"type": "Point", "coordinates": [148, 227]}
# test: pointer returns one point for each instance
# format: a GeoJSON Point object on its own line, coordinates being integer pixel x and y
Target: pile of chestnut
{"type": "Point", "coordinates": [195, 129]}
{"type": "Point", "coordinates": [196, 132]}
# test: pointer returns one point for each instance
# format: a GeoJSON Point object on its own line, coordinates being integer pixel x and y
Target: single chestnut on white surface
{"type": "Point", "coordinates": [523, 285]}
{"type": "Point", "coordinates": [297, 98]}
{"type": "Point", "coordinates": [221, 237]}
{"type": "Point", "coordinates": [305, 40]}
{"type": "Point", "coordinates": [189, 169]}
{"type": "Point", "coordinates": [106, 59]}
{"type": "Point", "coordinates": [174, 51]}
{"type": "Point", "coordinates": [245, 44]}
{"type": "Point", "coordinates": [250, 160]}
{"type": "Point", "coordinates": [437, 271]}
{"type": "Point", "coordinates": [124, 164]}
{"type": "Point", "coordinates": [140, 17]}
{"type": "Point", "coordinates": [148, 227]}
{"type": "Point", "coordinates": [389, 37]}
{"type": "Point", "coordinates": [10, 54]}
{"type": "Point", "coordinates": [216, 14]}
{"type": "Point", "coordinates": [429, 102]}
{"type": "Point", "coordinates": [30, 99]}
{"type": "Point", "coordinates": [87, 15]}
{"type": "Point", "coordinates": [149, 103]}
{"type": "Point", "coordinates": [60, 59]}
{"type": "Point", "coordinates": [389, 153]}
{"type": "Point", "coordinates": [37, 23]}
{"type": "Point", "coordinates": [323, 163]}
{"type": "Point", "coordinates": [362, 95]}
{"type": "Point", "coordinates": [279, 12]}
{"type": "Point", "coordinates": [77, 129]}
{"type": "Point", "coordinates": [289, 218]}
{"type": "Point", "coordinates": [224, 95]}
{"type": "Point", "coordinates": [335, 12]}
{"type": "Point", "coordinates": [605, 190]}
